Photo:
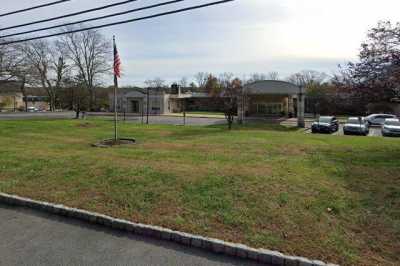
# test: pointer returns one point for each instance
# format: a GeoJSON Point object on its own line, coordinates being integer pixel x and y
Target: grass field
{"type": "Point", "coordinates": [331, 198]}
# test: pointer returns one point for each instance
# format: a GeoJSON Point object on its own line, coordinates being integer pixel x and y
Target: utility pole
{"type": "Point", "coordinates": [300, 108]}
{"type": "Point", "coordinates": [184, 110]}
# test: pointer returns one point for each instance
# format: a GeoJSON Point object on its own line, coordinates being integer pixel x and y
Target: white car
{"type": "Point", "coordinates": [391, 128]}
{"type": "Point", "coordinates": [378, 119]}
{"type": "Point", "coordinates": [356, 126]}
{"type": "Point", "coordinates": [32, 109]}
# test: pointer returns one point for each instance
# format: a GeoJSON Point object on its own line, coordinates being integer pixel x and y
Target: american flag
{"type": "Point", "coordinates": [117, 62]}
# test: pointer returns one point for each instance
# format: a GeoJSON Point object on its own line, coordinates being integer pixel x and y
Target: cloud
{"type": "Point", "coordinates": [241, 37]}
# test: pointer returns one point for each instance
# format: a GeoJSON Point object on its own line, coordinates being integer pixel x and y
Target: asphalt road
{"type": "Point", "coordinates": [39, 115]}
{"type": "Point", "coordinates": [171, 120]}
{"type": "Point", "coordinates": [32, 238]}
{"type": "Point", "coordinates": [167, 120]}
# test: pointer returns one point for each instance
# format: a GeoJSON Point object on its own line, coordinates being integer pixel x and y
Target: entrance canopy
{"type": "Point", "coordinates": [267, 87]}
{"type": "Point", "coordinates": [271, 97]}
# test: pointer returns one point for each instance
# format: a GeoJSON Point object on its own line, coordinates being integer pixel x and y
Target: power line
{"type": "Point", "coordinates": [69, 15]}
{"type": "Point", "coordinates": [119, 22]}
{"type": "Point", "coordinates": [34, 7]}
{"type": "Point", "coordinates": [93, 19]}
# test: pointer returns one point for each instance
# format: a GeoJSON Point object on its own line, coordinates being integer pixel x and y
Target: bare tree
{"type": "Point", "coordinates": [307, 77]}
{"type": "Point", "coordinates": [273, 75]}
{"type": "Point", "coordinates": [90, 56]}
{"type": "Point", "coordinates": [6, 62]}
{"type": "Point", "coordinates": [225, 79]}
{"type": "Point", "coordinates": [254, 77]}
{"type": "Point", "coordinates": [156, 83]}
{"type": "Point", "coordinates": [60, 68]}
{"type": "Point", "coordinates": [38, 63]}
{"type": "Point", "coordinates": [201, 79]}
{"type": "Point", "coordinates": [227, 90]}
{"type": "Point", "coordinates": [184, 82]}
{"type": "Point", "coordinates": [13, 67]}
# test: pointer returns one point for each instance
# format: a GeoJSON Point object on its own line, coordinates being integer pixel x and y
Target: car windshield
{"type": "Point", "coordinates": [392, 123]}
{"type": "Point", "coordinates": [325, 120]}
{"type": "Point", "coordinates": [354, 120]}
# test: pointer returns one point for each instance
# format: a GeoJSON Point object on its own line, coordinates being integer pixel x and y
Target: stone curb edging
{"type": "Point", "coordinates": [210, 244]}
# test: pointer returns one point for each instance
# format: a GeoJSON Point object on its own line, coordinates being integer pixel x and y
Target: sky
{"type": "Point", "coordinates": [242, 37]}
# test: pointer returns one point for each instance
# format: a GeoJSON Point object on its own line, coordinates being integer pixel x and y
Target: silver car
{"type": "Point", "coordinates": [378, 119]}
{"type": "Point", "coordinates": [356, 126]}
{"type": "Point", "coordinates": [391, 128]}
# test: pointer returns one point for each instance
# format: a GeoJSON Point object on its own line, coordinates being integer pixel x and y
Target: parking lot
{"type": "Point", "coordinates": [373, 131]}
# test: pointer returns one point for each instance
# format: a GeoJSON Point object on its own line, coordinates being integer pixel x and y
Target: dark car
{"type": "Point", "coordinates": [378, 119]}
{"type": "Point", "coordinates": [356, 126]}
{"type": "Point", "coordinates": [325, 124]}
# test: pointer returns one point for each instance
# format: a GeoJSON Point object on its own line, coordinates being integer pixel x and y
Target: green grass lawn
{"type": "Point", "coordinates": [331, 198]}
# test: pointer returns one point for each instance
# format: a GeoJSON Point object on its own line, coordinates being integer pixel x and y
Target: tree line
{"type": "Point", "coordinates": [72, 69]}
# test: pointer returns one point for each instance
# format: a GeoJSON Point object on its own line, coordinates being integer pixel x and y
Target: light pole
{"type": "Point", "coordinates": [148, 106]}
{"type": "Point", "coordinates": [300, 108]}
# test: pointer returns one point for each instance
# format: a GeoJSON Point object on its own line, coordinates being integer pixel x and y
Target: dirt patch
{"type": "Point", "coordinates": [111, 143]}
{"type": "Point", "coordinates": [86, 125]}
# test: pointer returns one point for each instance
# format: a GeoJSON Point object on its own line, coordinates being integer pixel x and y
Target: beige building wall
{"type": "Point", "coordinates": [11, 101]}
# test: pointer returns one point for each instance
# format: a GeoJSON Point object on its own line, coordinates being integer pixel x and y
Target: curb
{"type": "Point", "coordinates": [210, 244]}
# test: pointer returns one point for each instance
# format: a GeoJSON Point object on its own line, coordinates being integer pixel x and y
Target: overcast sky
{"type": "Point", "coordinates": [242, 37]}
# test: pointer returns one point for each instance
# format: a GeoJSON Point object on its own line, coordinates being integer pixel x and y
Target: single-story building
{"type": "Point", "coordinates": [136, 101]}
{"type": "Point", "coordinates": [272, 98]}
{"type": "Point", "coordinates": [12, 99]}
{"type": "Point", "coordinates": [260, 99]}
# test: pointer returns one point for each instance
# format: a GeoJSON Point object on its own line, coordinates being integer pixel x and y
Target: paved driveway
{"type": "Point", "coordinates": [195, 121]}
{"type": "Point", "coordinates": [167, 120]}
{"type": "Point", "coordinates": [32, 238]}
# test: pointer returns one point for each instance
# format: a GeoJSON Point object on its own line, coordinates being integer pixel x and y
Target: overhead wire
{"type": "Point", "coordinates": [93, 19]}
{"type": "Point", "coordinates": [33, 8]}
{"type": "Point", "coordinates": [69, 15]}
{"type": "Point", "coordinates": [116, 23]}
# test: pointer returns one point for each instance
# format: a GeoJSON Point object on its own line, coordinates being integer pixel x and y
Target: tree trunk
{"type": "Point", "coordinates": [92, 101]}
{"type": "Point", "coordinates": [22, 88]}
{"type": "Point", "coordinates": [77, 111]}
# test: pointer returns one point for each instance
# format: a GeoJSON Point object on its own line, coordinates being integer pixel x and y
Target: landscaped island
{"type": "Point", "coordinates": [331, 198]}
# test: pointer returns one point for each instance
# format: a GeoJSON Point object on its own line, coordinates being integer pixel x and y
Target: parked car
{"type": "Point", "coordinates": [356, 126]}
{"type": "Point", "coordinates": [325, 124]}
{"type": "Point", "coordinates": [32, 109]}
{"type": "Point", "coordinates": [378, 119]}
{"type": "Point", "coordinates": [391, 128]}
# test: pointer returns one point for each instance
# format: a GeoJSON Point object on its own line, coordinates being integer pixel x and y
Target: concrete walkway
{"type": "Point", "coordinates": [32, 238]}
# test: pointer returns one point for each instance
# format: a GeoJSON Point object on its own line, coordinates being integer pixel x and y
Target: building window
{"type": "Point", "coordinates": [269, 108]}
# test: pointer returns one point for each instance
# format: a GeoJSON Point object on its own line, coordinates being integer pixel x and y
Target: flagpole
{"type": "Point", "coordinates": [115, 98]}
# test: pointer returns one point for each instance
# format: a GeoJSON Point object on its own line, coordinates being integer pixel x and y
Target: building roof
{"type": "Point", "coordinates": [271, 87]}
